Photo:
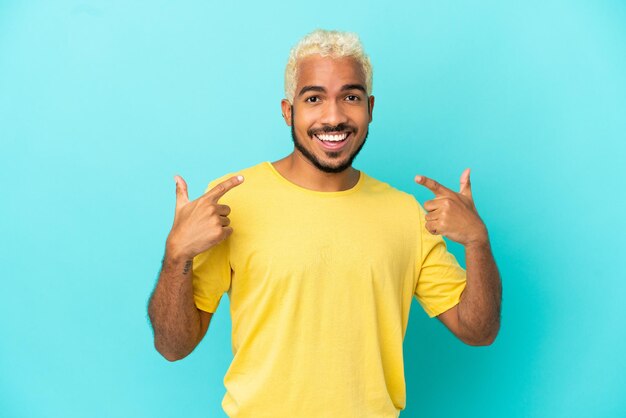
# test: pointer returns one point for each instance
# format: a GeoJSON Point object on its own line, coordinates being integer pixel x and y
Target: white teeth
{"type": "Point", "coordinates": [334, 138]}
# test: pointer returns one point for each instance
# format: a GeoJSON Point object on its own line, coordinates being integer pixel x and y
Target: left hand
{"type": "Point", "coordinates": [454, 214]}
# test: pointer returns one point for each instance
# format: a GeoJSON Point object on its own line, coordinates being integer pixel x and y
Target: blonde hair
{"type": "Point", "coordinates": [326, 43]}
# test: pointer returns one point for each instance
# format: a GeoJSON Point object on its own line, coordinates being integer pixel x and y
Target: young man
{"type": "Point", "coordinates": [321, 261]}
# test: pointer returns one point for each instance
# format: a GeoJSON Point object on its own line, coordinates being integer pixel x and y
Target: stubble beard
{"type": "Point", "coordinates": [331, 154]}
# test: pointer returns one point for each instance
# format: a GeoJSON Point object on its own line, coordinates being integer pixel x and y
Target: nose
{"type": "Point", "coordinates": [333, 114]}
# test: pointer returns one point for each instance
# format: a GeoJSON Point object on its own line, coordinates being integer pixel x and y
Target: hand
{"type": "Point", "coordinates": [202, 223]}
{"type": "Point", "coordinates": [453, 214]}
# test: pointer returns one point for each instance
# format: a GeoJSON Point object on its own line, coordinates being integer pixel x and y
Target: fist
{"type": "Point", "coordinates": [202, 223]}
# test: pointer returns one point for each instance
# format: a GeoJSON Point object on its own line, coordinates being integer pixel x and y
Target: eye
{"type": "Point", "coordinates": [312, 99]}
{"type": "Point", "coordinates": [352, 98]}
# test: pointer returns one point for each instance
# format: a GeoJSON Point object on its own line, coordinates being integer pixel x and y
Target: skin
{"type": "Point", "coordinates": [329, 96]}
{"type": "Point", "coordinates": [326, 98]}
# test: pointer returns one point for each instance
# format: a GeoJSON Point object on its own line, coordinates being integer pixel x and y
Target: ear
{"type": "Point", "coordinates": [371, 106]}
{"type": "Point", "coordinates": [286, 109]}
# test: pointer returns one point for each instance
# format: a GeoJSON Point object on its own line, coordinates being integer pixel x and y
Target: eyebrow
{"type": "Point", "coordinates": [354, 87]}
{"type": "Point", "coordinates": [321, 89]}
{"type": "Point", "coordinates": [306, 89]}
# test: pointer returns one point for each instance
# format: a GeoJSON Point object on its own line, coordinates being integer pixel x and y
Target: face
{"type": "Point", "coordinates": [330, 113]}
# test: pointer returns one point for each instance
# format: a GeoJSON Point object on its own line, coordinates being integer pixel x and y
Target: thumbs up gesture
{"type": "Point", "coordinates": [199, 224]}
{"type": "Point", "coordinates": [453, 214]}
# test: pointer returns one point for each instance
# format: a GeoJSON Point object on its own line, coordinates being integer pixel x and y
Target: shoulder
{"type": "Point", "coordinates": [386, 191]}
{"type": "Point", "coordinates": [250, 174]}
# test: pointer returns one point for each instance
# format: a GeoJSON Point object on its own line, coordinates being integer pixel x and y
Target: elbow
{"type": "Point", "coordinates": [480, 342]}
{"type": "Point", "coordinates": [170, 347]}
{"type": "Point", "coordinates": [169, 355]}
{"type": "Point", "coordinates": [482, 339]}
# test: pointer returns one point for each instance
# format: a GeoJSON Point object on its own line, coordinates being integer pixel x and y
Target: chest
{"type": "Point", "coordinates": [278, 241]}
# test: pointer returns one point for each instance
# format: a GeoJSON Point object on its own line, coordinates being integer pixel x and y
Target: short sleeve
{"type": "Point", "coordinates": [440, 278]}
{"type": "Point", "coordinates": [211, 274]}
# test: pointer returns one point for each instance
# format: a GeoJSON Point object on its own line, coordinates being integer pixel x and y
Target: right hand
{"type": "Point", "coordinates": [199, 224]}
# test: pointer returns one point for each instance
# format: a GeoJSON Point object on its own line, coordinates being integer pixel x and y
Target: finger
{"type": "Point", "coordinates": [466, 186]}
{"type": "Point", "coordinates": [432, 216]}
{"type": "Point", "coordinates": [431, 227]}
{"type": "Point", "coordinates": [218, 191]}
{"type": "Point", "coordinates": [182, 196]}
{"type": "Point", "coordinates": [223, 210]}
{"type": "Point", "coordinates": [438, 203]}
{"type": "Point", "coordinates": [431, 184]}
{"type": "Point", "coordinates": [227, 231]}
{"type": "Point", "coordinates": [430, 205]}
{"type": "Point", "coordinates": [224, 220]}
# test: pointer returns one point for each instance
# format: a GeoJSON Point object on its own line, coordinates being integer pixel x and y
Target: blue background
{"type": "Point", "coordinates": [102, 102]}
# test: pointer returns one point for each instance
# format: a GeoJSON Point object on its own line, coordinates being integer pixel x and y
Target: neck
{"type": "Point", "coordinates": [298, 170]}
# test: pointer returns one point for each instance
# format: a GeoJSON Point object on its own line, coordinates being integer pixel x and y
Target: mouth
{"type": "Point", "coordinates": [332, 141]}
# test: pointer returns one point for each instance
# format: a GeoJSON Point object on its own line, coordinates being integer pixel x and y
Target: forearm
{"type": "Point", "coordinates": [172, 311]}
{"type": "Point", "coordinates": [479, 308]}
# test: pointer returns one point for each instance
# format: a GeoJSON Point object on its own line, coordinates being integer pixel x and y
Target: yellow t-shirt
{"type": "Point", "coordinates": [320, 286]}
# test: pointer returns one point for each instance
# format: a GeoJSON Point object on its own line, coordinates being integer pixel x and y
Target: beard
{"type": "Point", "coordinates": [314, 160]}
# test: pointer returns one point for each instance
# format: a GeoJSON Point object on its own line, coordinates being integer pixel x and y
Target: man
{"type": "Point", "coordinates": [321, 261]}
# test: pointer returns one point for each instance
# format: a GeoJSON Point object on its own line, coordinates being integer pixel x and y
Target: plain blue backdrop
{"type": "Point", "coordinates": [102, 102]}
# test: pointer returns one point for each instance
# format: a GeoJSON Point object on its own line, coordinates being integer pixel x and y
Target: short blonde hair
{"type": "Point", "coordinates": [326, 43]}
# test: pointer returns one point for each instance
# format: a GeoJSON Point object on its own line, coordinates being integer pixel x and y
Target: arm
{"type": "Point", "coordinates": [476, 319]}
{"type": "Point", "coordinates": [198, 225]}
{"type": "Point", "coordinates": [178, 324]}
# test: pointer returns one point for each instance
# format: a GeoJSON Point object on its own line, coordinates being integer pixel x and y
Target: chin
{"type": "Point", "coordinates": [333, 166]}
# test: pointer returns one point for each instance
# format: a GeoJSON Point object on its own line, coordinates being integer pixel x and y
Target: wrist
{"type": "Point", "coordinates": [480, 240]}
{"type": "Point", "coordinates": [175, 254]}
{"type": "Point", "coordinates": [178, 264]}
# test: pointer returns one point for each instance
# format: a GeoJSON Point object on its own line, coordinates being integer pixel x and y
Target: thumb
{"type": "Point", "coordinates": [466, 186]}
{"type": "Point", "coordinates": [182, 197]}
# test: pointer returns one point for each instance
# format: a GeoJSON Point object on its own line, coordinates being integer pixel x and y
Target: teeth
{"type": "Point", "coordinates": [334, 138]}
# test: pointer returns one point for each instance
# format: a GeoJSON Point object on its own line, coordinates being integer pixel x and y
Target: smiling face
{"type": "Point", "coordinates": [331, 112]}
